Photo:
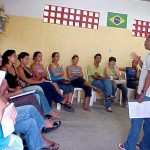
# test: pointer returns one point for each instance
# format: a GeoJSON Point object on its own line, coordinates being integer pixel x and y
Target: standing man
{"type": "Point", "coordinates": [95, 75]}
{"type": "Point", "coordinates": [143, 95]}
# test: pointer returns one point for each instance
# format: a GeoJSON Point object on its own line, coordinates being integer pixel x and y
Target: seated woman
{"type": "Point", "coordinates": [25, 124]}
{"type": "Point", "coordinates": [9, 59]}
{"type": "Point", "coordinates": [75, 75]}
{"type": "Point", "coordinates": [28, 77]}
{"type": "Point", "coordinates": [12, 141]}
{"type": "Point", "coordinates": [113, 72]}
{"type": "Point", "coordinates": [132, 75]}
{"type": "Point", "coordinates": [57, 75]}
{"type": "Point", "coordinates": [27, 100]}
{"type": "Point", "coordinates": [30, 123]}
{"type": "Point", "coordinates": [38, 70]}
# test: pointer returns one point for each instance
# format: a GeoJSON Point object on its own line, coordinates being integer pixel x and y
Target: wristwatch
{"type": "Point", "coordinates": [143, 91]}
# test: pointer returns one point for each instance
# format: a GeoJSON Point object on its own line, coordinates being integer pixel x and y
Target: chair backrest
{"type": "Point", "coordinates": [123, 75]}
{"type": "Point", "coordinates": [86, 73]}
{"type": "Point", "coordinates": [49, 75]}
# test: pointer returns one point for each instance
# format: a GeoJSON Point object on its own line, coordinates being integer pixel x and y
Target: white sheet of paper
{"type": "Point", "coordinates": [139, 110]}
{"type": "Point", "coordinates": [7, 123]}
{"type": "Point", "coordinates": [26, 93]}
{"type": "Point", "coordinates": [2, 76]}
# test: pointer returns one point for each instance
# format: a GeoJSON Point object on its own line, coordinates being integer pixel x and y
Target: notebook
{"type": "Point", "coordinates": [2, 76]}
{"type": "Point", "coordinates": [139, 110]}
{"type": "Point", "coordinates": [22, 94]}
{"type": "Point", "coordinates": [6, 123]}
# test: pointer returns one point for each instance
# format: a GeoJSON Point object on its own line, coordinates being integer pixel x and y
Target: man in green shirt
{"type": "Point", "coordinates": [95, 75]}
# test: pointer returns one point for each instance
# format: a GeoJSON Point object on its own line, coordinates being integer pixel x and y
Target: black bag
{"type": "Point", "coordinates": [63, 81]}
{"type": "Point", "coordinates": [79, 82]}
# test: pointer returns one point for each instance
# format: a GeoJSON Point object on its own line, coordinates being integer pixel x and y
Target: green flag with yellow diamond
{"type": "Point", "coordinates": [117, 20]}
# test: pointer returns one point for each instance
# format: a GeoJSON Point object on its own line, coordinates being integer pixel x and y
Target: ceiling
{"type": "Point", "coordinates": [146, 0]}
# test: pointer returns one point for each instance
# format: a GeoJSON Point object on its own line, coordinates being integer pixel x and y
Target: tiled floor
{"type": "Point", "coordinates": [95, 130]}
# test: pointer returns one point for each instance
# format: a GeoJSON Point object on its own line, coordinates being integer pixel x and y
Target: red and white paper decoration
{"type": "Point", "coordinates": [140, 28]}
{"type": "Point", "coordinates": [71, 17]}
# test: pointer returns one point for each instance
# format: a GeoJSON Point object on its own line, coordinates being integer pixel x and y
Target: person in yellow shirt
{"type": "Point", "coordinates": [96, 78]}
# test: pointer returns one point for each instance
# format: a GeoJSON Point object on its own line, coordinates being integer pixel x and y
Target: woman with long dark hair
{"type": "Point", "coordinates": [38, 70]}
{"type": "Point", "coordinates": [15, 83]}
{"type": "Point", "coordinates": [57, 75]}
{"type": "Point", "coordinates": [75, 75]}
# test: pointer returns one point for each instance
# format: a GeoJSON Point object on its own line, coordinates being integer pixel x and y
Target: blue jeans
{"type": "Point", "coordinates": [123, 88]}
{"type": "Point", "coordinates": [40, 97]}
{"type": "Point", "coordinates": [134, 132]}
{"type": "Point", "coordinates": [106, 86]}
{"type": "Point", "coordinates": [67, 88]}
{"type": "Point", "coordinates": [51, 93]}
{"type": "Point", "coordinates": [30, 122]}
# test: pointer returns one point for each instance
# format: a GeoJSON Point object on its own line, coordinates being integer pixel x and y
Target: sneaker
{"type": "Point", "coordinates": [125, 104]}
{"type": "Point", "coordinates": [48, 116]}
{"type": "Point", "coordinates": [121, 146]}
{"type": "Point", "coordinates": [109, 109]}
{"type": "Point", "coordinates": [137, 146]}
{"type": "Point", "coordinates": [68, 108]}
{"type": "Point", "coordinates": [111, 98]}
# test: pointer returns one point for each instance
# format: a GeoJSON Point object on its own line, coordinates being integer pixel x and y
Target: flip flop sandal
{"type": "Point", "coordinates": [86, 109]}
{"type": "Point", "coordinates": [54, 127]}
{"type": "Point", "coordinates": [48, 116]}
{"type": "Point", "coordinates": [111, 98]}
{"type": "Point", "coordinates": [107, 109]}
{"type": "Point", "coordinates": [67, 107]}
{"type": "Point", "coordinates": [52, 147]}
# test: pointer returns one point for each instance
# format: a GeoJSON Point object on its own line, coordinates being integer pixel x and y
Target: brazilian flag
{"type": "Point", "coordinates": [117, 20]}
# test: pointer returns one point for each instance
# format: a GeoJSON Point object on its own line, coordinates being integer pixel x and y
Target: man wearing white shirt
{"type": "Point", "coordinates": [144, 95]}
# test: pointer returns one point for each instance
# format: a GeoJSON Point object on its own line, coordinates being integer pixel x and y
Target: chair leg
{"type": "Point", "coordinates": [120, 97]}
{"type": "Point", "coordinates": [129, 94]}
{"type": "Point", "coordinates": [116, 94]}
{"type": "Point", "coordinates": [58, 106]}
{"type": "Point", "coordinates": [91, 101]}
{"type": "Point", "coordinates": [103, 98]}
{"type": "Point", "coordinates": [95, 95]}
{"type": "Point", "coordinates": [93, 98]}
{"type": "Point", "coordinates": [72, 98]}
{"type": "Point", "coordinates": [78, 95]}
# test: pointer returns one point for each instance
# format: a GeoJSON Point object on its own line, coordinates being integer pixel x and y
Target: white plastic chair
{"type": "Point", "coordinates": [58, 104]}
{"type": "Point", "coordinates": [93, 98]}
{"type": "Point", "coordinates": [130, 91]}
{"type": "Point", "coordinates": [120, 96]}
{"type": "Point", "coordinates": [78, 94]}
{"type": "Point", "coordinates": [94, 93]}
{"type": "Point", "coordinates": [78, 90]}
{"type": "Point", "coordinates": [120, 92]}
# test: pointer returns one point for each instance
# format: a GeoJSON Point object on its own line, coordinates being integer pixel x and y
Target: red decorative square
{"type": "Point", "coordinates": [71, 17]}
{"type": "Point", "coordinates": [140, 28]}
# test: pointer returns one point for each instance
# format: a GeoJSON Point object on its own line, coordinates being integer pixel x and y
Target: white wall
{"type": "Point", "coordinates": [135, 9]}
